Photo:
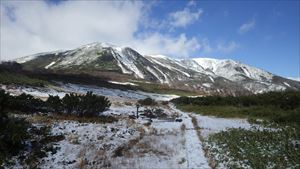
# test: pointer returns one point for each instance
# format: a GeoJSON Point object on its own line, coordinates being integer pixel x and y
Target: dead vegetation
{"type": "Point", "coordinates": [49, 119]}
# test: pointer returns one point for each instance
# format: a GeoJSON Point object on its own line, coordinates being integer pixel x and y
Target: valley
{"type": "Point", "coordinates": [174, 139]}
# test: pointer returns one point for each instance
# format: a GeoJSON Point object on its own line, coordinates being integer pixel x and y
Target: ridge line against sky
{"type": "Point", "coordinates": [264, 34]}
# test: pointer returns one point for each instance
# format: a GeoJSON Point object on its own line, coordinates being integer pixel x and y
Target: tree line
{"type": "Point", "coordinates": [287, 100]}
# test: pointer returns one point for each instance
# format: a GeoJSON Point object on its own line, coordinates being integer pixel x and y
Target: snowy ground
{"type": "Point", "coordinates": [82, 89]}
{"type": "Point", "coordinates": [162, 143]}
{"type": "Point", "coordinates": [210, 125]}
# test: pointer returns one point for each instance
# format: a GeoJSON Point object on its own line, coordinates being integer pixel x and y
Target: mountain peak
{"type": "Point", "coordinates": [205, 74]}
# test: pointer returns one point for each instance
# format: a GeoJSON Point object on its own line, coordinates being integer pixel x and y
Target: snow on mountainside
{"type": "Point", "coordinates": [233, 70]}
{"type": "Point", "coordinates": [201, 74]}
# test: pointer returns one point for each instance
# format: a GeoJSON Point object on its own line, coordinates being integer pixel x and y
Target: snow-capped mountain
{"type": "Point", "coordinates": [199, 74]}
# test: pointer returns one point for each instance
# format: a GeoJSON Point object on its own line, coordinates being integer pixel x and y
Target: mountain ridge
{"type": "Point", "coordinates": [200, 74]}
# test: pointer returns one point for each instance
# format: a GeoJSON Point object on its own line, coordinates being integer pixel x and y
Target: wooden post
{"type": "Point", "coordinates": [137, 111]}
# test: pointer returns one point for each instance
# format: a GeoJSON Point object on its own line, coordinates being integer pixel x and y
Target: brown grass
{"type": "Point", "coordinates": [61, 117]}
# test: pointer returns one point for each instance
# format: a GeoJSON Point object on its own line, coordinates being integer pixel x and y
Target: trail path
{"type": "Point", "coordinates": [195, 153]}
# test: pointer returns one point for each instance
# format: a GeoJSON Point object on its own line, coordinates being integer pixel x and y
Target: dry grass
{"type": "Point", "coordinates": [73, 139]}
{"type": "Point", "coordinates": [124, 149]}
{"type": "Point", "coordinates": [39, 119]}
{"type": "Point", "coordinates": [82, 161]}
{"type": "Point", "coordinates": [49, 119]}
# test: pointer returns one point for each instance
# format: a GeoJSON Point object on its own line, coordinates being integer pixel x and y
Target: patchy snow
{"type": "Point", "coordinates": [121, 110]}
{"type": "Point", "coordinates": [212, 80]}
{"type": "Point", "coordinates": [168, 63]}
{"type": "Point", "coordinates": [165, 76]}
{"type": "Point", "coordinates": [294, 78]}
{"type": "Point", "coordinates": [129, 94]}
{"type": "Point", "coordinates": [210, 124]}
{"type": "Point", "coordinates": [163, 144]}
{"type": "Point", "coordinates": [208, 85]}
{"type": "Point", "coordinates": [31, 57]}
{"type": "Point", "coordinates": [232, 70]}
{"type": "Point", "coordinates": [52, 63]}
{"type": "Point", "coordinates": [123, 83]}
{"type": "Point", "coordinates": [155, 74]}
{"type": "Point", "coordinates": [88, 143]}
{"type": "Point", "coordinates": [288, 85]}
{"type": "Point", "coordinates": [34, 91]}
{"type": "Point", "coordinates": [26, 58]}
{"type": "Point", "coordinates": [128, 62]}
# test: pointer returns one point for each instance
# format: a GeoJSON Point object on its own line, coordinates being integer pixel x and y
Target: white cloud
{"type": "Point", "coordinates": [29, 27]}
{"type": "Point", "coordinates": [157, 43]}
{"type": "Point", "coordinates": [227, 47]}
{"type": "Point", "coordinates": [205, 46]}
{"type": "Point", "coordinates": [247, 27]}
{"type": "Point", "coordinates": [191, 3]}
{"type": "Point", "coordinates": [184, 17]}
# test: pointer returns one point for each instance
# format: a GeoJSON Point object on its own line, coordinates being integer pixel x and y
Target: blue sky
{"type": "Point", "coordinates": [264, 34]}
{"type": "Point", "coordinates": [271, 43]}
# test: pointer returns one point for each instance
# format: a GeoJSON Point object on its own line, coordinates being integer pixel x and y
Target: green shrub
{"type": "Point", "coordinates": [147, 102]}
{"type": "Point", "coordinates": [71, 103]}
{"type": "Point", "coordinates": [85, 105]}
{"type": "Point", "coordinates": [4, 97]}
{"type": "Point", "coordinates": [26, 103]}
{"type": "Point", "coordinates": [256, 148]}
{"type": "Point", "coordinates": [54, 104]}
{"type": "Point", "coordinates": [92, 105]}
{"type": "Point", "coordinates": [13, 133]}
{"type": "Point", "coordinates": [280, 107]}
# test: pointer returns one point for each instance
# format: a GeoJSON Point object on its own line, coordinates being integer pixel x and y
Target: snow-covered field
{"type": "Point", "coordinates": [210, 125]}
{"type": "Point", "coordinates": [129, 143]}
{"type": "Point", "coordinates": [82, 89]}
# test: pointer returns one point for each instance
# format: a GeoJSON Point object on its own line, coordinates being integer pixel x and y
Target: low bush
{"type": "Point", "coordinates": [13, 131]}
{"type": "Point", "coordinates": [284, 100]}
{"type": "Point", "coordinates": [54, 104]}
{"type": "Point", "coordinates": [256, 148]}
{"type": "Point", "coordinates": [85, 105]}
{"type": "Point", "coordinates": [73, 104]}
{"type": "Point", "coordinates": [147, 102]}
{"type": "Point", "coordinates": [154, 113]}
{"type": "Point", "coordinates": [280, 107]}
{"type": "Point", "coordinates": [13, 134]}
{"type": "Point", "coordinates": [26, 103]}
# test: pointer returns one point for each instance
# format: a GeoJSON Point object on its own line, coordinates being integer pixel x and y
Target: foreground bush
{"type": "Point", "coordinates": [13, 131]}
{"type": "Point", "coordinates": [85, 105]}
{"type": "Point", "coordinates": [13, 134]}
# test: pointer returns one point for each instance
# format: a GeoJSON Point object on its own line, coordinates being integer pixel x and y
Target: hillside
{"type": "Point", "coordinates": [124, 64]}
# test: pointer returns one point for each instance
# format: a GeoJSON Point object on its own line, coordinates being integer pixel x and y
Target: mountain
{"type": "Point", "coordinates": [125, 64]}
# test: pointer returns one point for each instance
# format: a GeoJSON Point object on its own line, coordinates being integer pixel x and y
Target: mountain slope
{"type": "Point", "coordinates": [123, 63]}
